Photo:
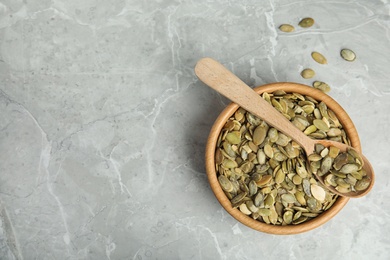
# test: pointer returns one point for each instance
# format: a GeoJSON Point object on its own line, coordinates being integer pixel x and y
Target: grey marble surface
{"type": "Point", "coordinates": [103, 124]}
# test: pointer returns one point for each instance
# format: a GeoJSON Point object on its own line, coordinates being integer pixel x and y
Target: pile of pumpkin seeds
{"type": "Point", "coordinates": [344, 170]}
{"type": "Point", "coordinates": [264, 173]}
{"type": "Point", "coordinates": [309, 73]}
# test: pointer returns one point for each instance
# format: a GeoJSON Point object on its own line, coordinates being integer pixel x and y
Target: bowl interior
{"type": "Point", "coordinates": [212, 174]}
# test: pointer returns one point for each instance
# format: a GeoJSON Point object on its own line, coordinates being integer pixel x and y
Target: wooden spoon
{"type": "Point", "coordinates": [216, 76]}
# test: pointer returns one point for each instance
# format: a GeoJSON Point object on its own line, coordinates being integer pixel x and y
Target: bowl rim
{"type": "Point", "coordinates": [288, 87]}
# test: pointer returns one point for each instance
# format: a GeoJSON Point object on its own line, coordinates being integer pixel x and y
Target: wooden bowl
{"type": "Point", "coordinates": [212, 174]}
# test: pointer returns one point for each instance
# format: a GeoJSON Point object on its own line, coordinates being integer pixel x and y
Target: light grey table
{"type": "Point", "coordinates": [103, 124]}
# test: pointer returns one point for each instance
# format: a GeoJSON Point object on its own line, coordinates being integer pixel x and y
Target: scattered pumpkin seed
{"type": "Point", "coordinates": [307, 73]}
{"type": "Point", "coordinates": [306, 22]}
{"type": "Point", "coordinates": [286, 28]}
{"type": "Point", "coordinates": [348, 55]}
{"type": "Point", "coordinates": [318, 57]}
{"type": "Point", "coordinates": [321, 86]}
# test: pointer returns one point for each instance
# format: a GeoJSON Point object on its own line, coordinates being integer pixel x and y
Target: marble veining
{"type": "Point", "coordinates": [103, 124]}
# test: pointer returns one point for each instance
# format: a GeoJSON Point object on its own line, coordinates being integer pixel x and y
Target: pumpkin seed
{"type": "Point", "coordinates": [300, 220]}
{"type": "Point", "coordinates": [326, 164]}
{"type": "Point", "coordinates": [318, 192]}
{"type": "Point", "coordinates": [239, 114]}
{"type": "Point", "coordinates": [320, 124]}
{"type": "Point", "coordinates": [333, 132]}
{"type": "Point", "coordinates": [349, 168]}
{"type": "Point", "coordinates": [308, 73]}
{"type": "Point", "coordinates": [333, 152]}
{"type": "Point", "coordinates": [273, 135]}
{"type": "Point", "coordinates": [264, 180]}
{"type": "Point", "coordinates": [259, 134]}
{"type": "Point", "coordinates": [269, 201]}
{"type": "Point", "coordinates": [318, 57]}
{"type": "Point", "coordinates": [310, 129]}
{"type": "Point", "coordinates": [234, 137]}
{"type": "Point", "coordinates": [286, 28]}
{"type": "Point", "coordinates": [258, 199]}
{"type": "Point", "coordinates": [288, 217]}
{"type": "Point", "coordinates": [348, 55]}
{"type": "Point", "coordinates": [229, 163]}
{"type": "Point", "coordinates": [264, 212]}
{"type": "Point", "coordinates": [288, 198]}
{"type": "Point", "coordinates": [283, 139]}
{"type": "Point", "coordinates": [300, 196]}
{"type": "Point", "coordinates": [244, 209]}
{"type": "Point", "coordinates": [261, 157]}
{"type": "Point", "coordinates": [251, 206]}
{"type": "Point", "coordinates": [225, 183]}
{"type": "Point", "coordinates": [306, 22]}
{"type": "Point", "coordinates": [269, 151]}
{"type": "Point", "coordinates": [321, 86]}
{"type": "Point", "coordinates": [362, 184]}
{"type": "Point", "coordinates": [280, 175]}
{"type": "Point", "coordinates": [340, 161]}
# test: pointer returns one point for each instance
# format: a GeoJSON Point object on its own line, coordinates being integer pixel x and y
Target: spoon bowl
{"type": "Point", "coordinates": [366, 166]}
{"type": "Point", "coordinates": [216, 76]}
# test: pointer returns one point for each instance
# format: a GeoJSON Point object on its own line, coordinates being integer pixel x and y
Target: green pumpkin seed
{"type": "Point", "coordinates": [259, 198]}
{"type": "Point", "coordinates": [286, 28]}
{"type": "Point", "coordinates": [259, 134]}
{"type": "Point", "coordinates": [269, 151]}
{"type": "Point", "coordinates": [251, 206]}
{"type": "Point", "coordinates": [234, 137]}
{"type": "Point", "coordinates": [318, 57]}
{"type": "Point", "coordinates": [348, 55]}
{"type": "Point", "coordinates": [288, 217]}
{"type": "Point", "coordinates": [264, 180]}
{"type": "Point", "coordinates": [349, 168]}
{"type": "Point", "coordinates": [244, 209]}
{"type": "Point", "coordinates": [288, 198]}
{"type": "Point", "coordinates": [308, 73]}
{"type": "Point", "coordinates": [225, 183]}
{"type": "Point", "coordinates": [321, 86]}
{"type": "Point", "coordinates": [300, 220]}
{"type": "Point", "coordinates": [318, 192]}
{"type": "Point", "coordinates": [320, 124]}
{"type": "Point", "coordinates": [280, 175]}
{"type": "Point", "coordinates": [306, 22]}
{"type": "Point", "coordinates": [238, 198]}
{"type": "Point", "coordinates": [362, 184]}
{"type": "Point", "coordinates": [264, 212]}
{"type": "Point", "coordinates": [229, 163]}
{"type": "Point", "coordinates": [269, 201]}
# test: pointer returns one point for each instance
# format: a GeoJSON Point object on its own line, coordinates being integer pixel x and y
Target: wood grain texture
{"type": "Point", "coordinates": [212, 175]}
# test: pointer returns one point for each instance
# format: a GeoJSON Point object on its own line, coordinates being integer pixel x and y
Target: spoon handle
{"type": "Point", "coordinates": [216, 76]}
